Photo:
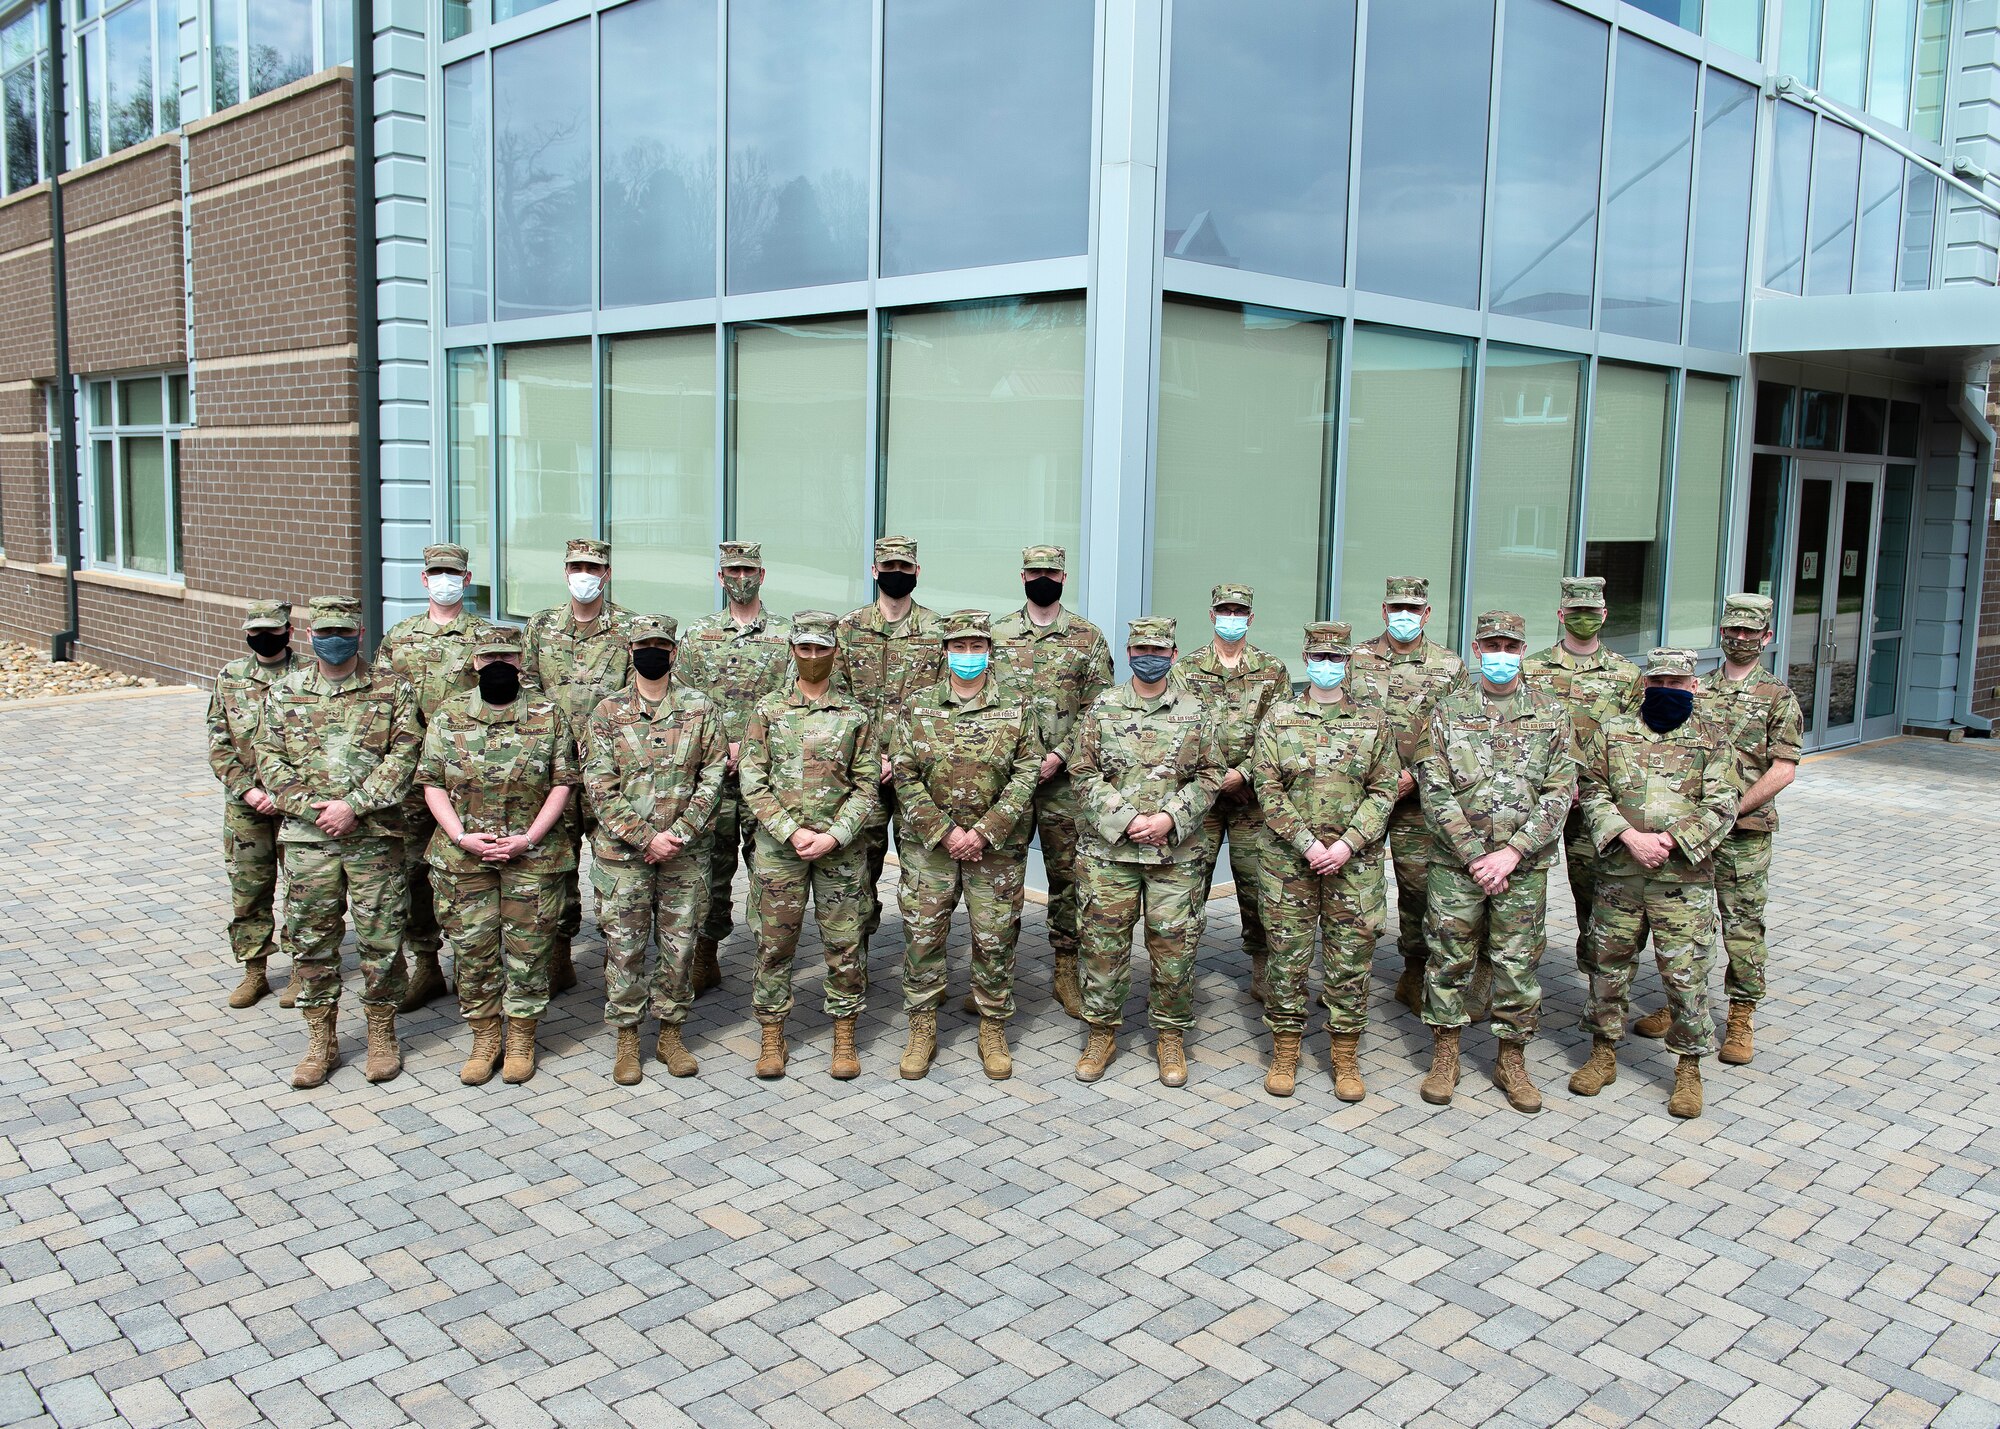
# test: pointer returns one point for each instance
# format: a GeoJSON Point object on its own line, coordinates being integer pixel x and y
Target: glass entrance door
{"type": "Point", "coordinates": [1832, 634]}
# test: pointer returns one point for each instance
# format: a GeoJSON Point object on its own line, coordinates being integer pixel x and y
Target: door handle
{"type": "Point", "coordinates": [1827, 643]}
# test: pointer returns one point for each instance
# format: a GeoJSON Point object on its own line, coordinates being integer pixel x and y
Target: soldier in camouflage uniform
{"type": "Point", "coordinates": [1237, 682]}
{"type": "Point", "coordinates": [336, 750]}
{"type": "Point", "coordinates": [1496, 771]}
{"type": "Point", "coordinates": [1404, 672]}
{"type": "Point", "coordinates": [966, 760]}
{"type": "Point", "coordinates": [1148, 766]}
{"type": "Point", "coordinates": [811, 771]}
{"type": "Point", "coordinates": [1054, 661]}
{"type": "Point", "coordinates": [575, 654]}
{"type": "Point", "coordinates": [433, 651]}
{"type": "Point", "coordinates": [249, 819]}
{"type": "Point", "coordinates": [1325, 769]}
{"type": "Point", "coordinates": [654, 756]}
{"type": "Point", "coordinates": [1659, 793]}
{"type": "Point", "coordinates": [1760, 717]}
{"type": "Point", "coordinates": [1592, 683]}
{"type": "Point", "coordinates": [735, 657]}
{"type": "Point", "coordinates": [496, 775]}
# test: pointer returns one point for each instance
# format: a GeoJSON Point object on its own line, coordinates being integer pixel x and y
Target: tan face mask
{"type": "Point", "coordinates": [813, 668]}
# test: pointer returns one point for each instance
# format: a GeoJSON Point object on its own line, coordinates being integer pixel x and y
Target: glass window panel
{"type": "Point", "coordinates": [90, 66]}
{"type": "Point", "coordinates": [22, 138]}
{"type": "Point", "coordinates": [659, 448]}
{"type": "Point", "coordinates": [548, 470]}
{"type": "Point", "coordinates": [470, 438]}
{"type": "Point", "coordinates": [659, 152]}
{"type": "Point", "coordinates": [1798, 40]}
{"type": "Point", "coordinates": [1545, 198]}
{"type": "Point", "coordinates": [281, 43]}
{"type": "Point", "coordinates": [508, 9]}
{"type": "Point", "coordinates": [1722, 214]}
{"type": "Point", "coordinates": [1257, 145]}
{"type": "Point", "coordinates": [984, 453]}
{"type": "Point", "coordinates": [1737, 24]}
{"type": "Point", "coordinates": [1884, 668]}
{"type": "Point", "coordinates": [177, 399]}
{"type": "Point", "coordinates": [1245, 391]}
{"type": "Point", "coordinates": [1685, 13]}
{"type": "Point", "coordinates": [1889, 62]}
{"type": "Point", "coordinates": [1646, 208]}
{"type": "Point", "coordinates": [1763, 543]}
{"type": "Point", "coordinates": [1408, 430]}
{"type": "Point", "coordinates": [1836, 178]}
{"type": "Point", "coordinates": [174, 505]}
{"type": "Point", "coordinates": [104, 519]}
{"type": "Point", "coordinates": [1528, 445]}
{"type": "Point", "coordinates": [1933, 47]}
{"type": "Point", "coordinates": [1819, 420]}
{"type": "Point", "coordinates": [1628, 445]}
{"type": "Point", "coordinates": [128, 42]}
{"type": "Point", "coordinates": [1875, 248]}
{"type": "Point", "coordinates": [337, 33]}
{"type": "Point", "coordinates": [167, 54]}
{"type": "Point", "coordinates": [798, 143]}
{"type": "Point", "coordinates": [458, 18]}
{"type": "Point", "coordinates": [1904, 420]}
{"type": "Point", "coordinates": [100, 404]}
{"type": "Point", "coordinates": [139, 402]}
{"type": "Point", "coordinates": [1892, 557]}
{"type": "Point", "coordinates": [799, 465]}
{"type": "Point", "coordinates": [1785, 222]}
{"type": "Point", "coordinates": [541, 166]}
{"type": "Point", "coordinates": [465, 207]}
{"type": "Point", "coordinates": [1843, 63]}
{"type": "Point", "coordinates": [20, 37]}
{"type": "Point", "coordinates": [143, 506]}
{"type": "Point", "coordinates": [1701, 486]}
{"type": "Point", "coordinates": [1423, 150]}
{"type": "Point", "coordinates": [1867, 423]}
{"type": "Point", "coordinates": [1774, 414]}
{"type": "Point", "coordinates": [1920, 189]}
{"type": "Point", "coordinates": [225, 28]}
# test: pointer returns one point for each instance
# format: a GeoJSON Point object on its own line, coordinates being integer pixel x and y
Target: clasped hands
{"type": "Point", "coordinates": [1492, 871]}
{"type": "Point", "coordinates": [1651, 850]}
{"type": "Point", "coordinates": [809, 845]}
{"type": "Point", "coordinates": [1152, 830]}
{"type": "Point", "coordinates": [497, 848]}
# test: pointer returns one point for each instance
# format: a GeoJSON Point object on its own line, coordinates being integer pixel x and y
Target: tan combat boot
{"type": "Point", "coordinates": [1599, 1072]}
{"type": "Point", "coordinates": [1736, 1041]}
{"type": "Point", "coordinates": [1686, 1100]}
{"type": "Point", "coordinates": [322, 1048]}
{"type": "Point", "coordinates": [625, 1062]}
{"type": "Point", "coordinates": [288, 996]}
{"type": "Point", "coordinates": [970, 1007]}
{"type": "Point", "coordinates": [1410, 986]}
{"type": "Point", "coordinates": [669, 1048]}
{"type": "Point", "coordinates": [520, 1064]}
{"type": "Point", "coordinates": [1479, 992]}
{"type": "Point", "coordinates": [562, 971]}
{"type": "Point", "coordinates": [1510, 1074]}
{"type": "Point", "coordinates": [1173, 1061]}
{"type": "Point", "coordinates": [993, 1054]}
{"type": "Point", "coordinates": [1260, 981]}
{"type": "Point", "coordinates": [1442, 1079]}
{"type": "Point", "coordinates": [486, 1048]}
{"type": "Point", "coordinates": [1283, 1077]}
{"type": "Point", "coordinates": [385, 1057]}
{"type": "Point", "coordinates": [1346, 1058]}
{"type": "Point", "coordinates": [254, 988]}
{"type": "Point", "coordinates": [846, 1063]}
{"type": "Point", "coordinates": [705, 971]}
{"type": "Point", "coordinates": [923, 1046]}
{"type": "Point", "coordinates": [1069, 990]}
{"type": "Point", "coordinates": [1098, 1050]}
{"type": "Point", "coordinates": [772, 1055]}
{"type": "Point", "coordinates": [426, 983]}
{"type": "Point", "coordinates": [1654, 1024]}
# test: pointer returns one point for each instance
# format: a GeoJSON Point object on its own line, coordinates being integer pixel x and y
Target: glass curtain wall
{"type": "Point", "coordinates": [128, 71]}
{"type": "Point", "coordinates": [1624, 498]}
{"type": "Point", "coordinates": [1646, 192]}
{"type": "Point", "coordinates": [24, 97]}
{"type": "Point", "coordinates": [469, 439]}
{"type": "Point", "coordinates": [548, 470]}
{"type": "Point", "coordinates": [255, 46]}
{"type": "Point", "coordinates": [658, 180]}
{"type": "Point", "coordinates": [1703, 457]}
{"type": "Point", "coordinates": [1529, 444]}
{"type": "Point", "coordinates": [659, 458]}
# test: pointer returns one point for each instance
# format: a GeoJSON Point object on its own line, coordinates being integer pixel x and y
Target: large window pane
{"type": "Point", "coordinates": [1247, 392]}
{"type": "Point", "coordinates": [984, 453]}
{"type": "Point", "coordinates": [541, 165]}
{"type": "Point", "coordinates": [1722, 214]}
{"type": "Point", "coordinates": [1920, 187]}
{"type": "Point", "coordinates": [1890, 61]}
{"type": "Point", "coordinates": [465, 207]}
{"type": "Point", "coordinates": [1408, 431]}
{"type": "Point", "coordinates": [1628, 444]}
{"type": "Point", "coordinates": [143, 504]}
{"type": "Point", "coordinates": [1701, 486]}
{"type": "Point", "coordinates": [128, 38]}
{"type": "Point", "coordinates": [659, 447]}
{"type": "Point", "coordinates": [1259, 109]}
{"type": "Point", "coordinates": [985, 132]}
{"type": "Point", "coordinates": [470, 447]}
{"type": "Point", "coordinates": [1739, 24]}
{"type": "Point", "coordinates": [1646, 213]}
{"type": "Point", "coordinates": [167, 65]}
{"type": "Point", "coordinates": [281, 43]}
{"type": "Point", "coordinates": [1528, 431]}
{"type": "Point", "coordinates": [1685, 13]}
{"type": "Point", "coordinates": [1836, 177]}
{"type": "Point", "coordinates": [104, 516]}
{"type": "Point", "coordinates": [1843, 55]}
{"type": "Point", "coordinates": [1423, 150]}
{"type": "Point", "coordinates": [1551, 125]}
{"type": "Point", "coordinates": [1798, 40]}
{"type": "Point", "coordinates": [1875, 248]}
{"type": "Point", "coordinates": [1785, 222]}
{"type": "Point", "coordinates": [548, 470]}
{"type": "Point", "coordinates": [798, 142]}
{"type": "Point", "coordinates": [659, 152]}
{"type": "Point", "coordinates": [1763, 527]}
{"type": "Point", "coordinates": [799, 467]}
{"type": "Point", "coordinates": [1933, 46]}
{"type": "Point", "coordinates": [225, 28]}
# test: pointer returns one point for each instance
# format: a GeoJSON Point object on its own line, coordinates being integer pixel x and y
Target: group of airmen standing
{"type": "Point", "coordinates": [446, 790]}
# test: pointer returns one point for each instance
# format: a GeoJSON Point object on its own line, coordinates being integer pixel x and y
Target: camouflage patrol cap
{"type": "Point", "coordinates": [1231, 595]}
{"type": "Point", "coordinates": [583, 548]}
{"type": "Point", "coordinates": [498, 640]}
{"type": "Point", "coordinates": [445, 557]}
{"type": "Point", "coordinates": [334, 612]}
{"type": "Point", "coordinates": [1329, 637]}
{"type": "Point", "coordinates": [742, 553]}
{"type": "Point", "coordinates": [641, 628]}
{"type": "Point", "coordinates": [268, 615]}
{"type": "Point", "coordinates": [1500, 625]}
{"type": "Point", "coordinates": [966, 625]}
{"type": "Point", "coordinates": [1044, 558]}
{"type": "Point", "coordinates": [1582, 593]}
{"type": "Point", "coordinates": [1744, 611]}
{"type": "Point", "coordinates": [1151, 630]}
{"type": "Point", "coordinates": [1407, 590]}
{"type": "Point", "coordinates": [815, 627]}
{"type": "Point", "coordinates": [896, 548]}
{"type": "Point", "coordinates": [1667, 660]}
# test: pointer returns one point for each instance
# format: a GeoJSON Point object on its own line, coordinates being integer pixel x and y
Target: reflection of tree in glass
{"type": "Point", "coordinates": [226, 90]}
{"type": "Point", "coordinates": [22, 138]}
{"type": "Point", "coordinates": [659, 223]}
{"type": "Point", "coordinates": [544, 191]}
{"type": "Point", "coordinates": [271, 67]}
{"type": "Point", "coordinates": [132, 115]}
{"type": "Point", "coordinates": [798, 230]}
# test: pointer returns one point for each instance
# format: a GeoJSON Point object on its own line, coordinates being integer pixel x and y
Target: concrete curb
{"type": "Point", "coordinates": [123, 693]}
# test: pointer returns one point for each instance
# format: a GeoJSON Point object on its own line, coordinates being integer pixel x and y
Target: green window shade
{"type": "Point", "coordinates": [1627, 450]}
{"type": "Point", "coordinates": [548, 469]}
{"type": "Point", "coordinates": [1528, 431]}
{"type": "Point", "coordinates": [143, 469]}
{"type": "Point", "coordinates": [985, 443]}
{"type": "Point", "coordinates": [659, 448]}
{"type": "Point", "coordinates": [470, 413]}
{"type": "Point", "coordinates": [1701, 479]}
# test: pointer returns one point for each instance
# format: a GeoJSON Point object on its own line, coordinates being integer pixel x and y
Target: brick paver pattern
{"type": "Point", "coordinates": [186, 1239]}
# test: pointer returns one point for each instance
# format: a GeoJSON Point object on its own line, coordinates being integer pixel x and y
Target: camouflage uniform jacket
{"type": "Point", "coordinates": [652, 771]}
{"type": "Point", "coordinates": [574, 666]}
{"type": "Point", "coordinates": [1326, 771]}
{"type": "Point", "coordinates": [1592, 687]}
{"type": "Point", "coordinates": [1137, 756]}
{"type": "Point", "coordinates": [734, 665]}
{"type": "Point", "coordinates": [234, 710]}
{"type": "Point", "coordinates": [1055, 669]}
{"type": "Point", "coordinates": [1497, 774]}
{"type": "Point", "coordinates": [1681, 783]}
{"type": "Point", "coordinates": [435, 659]}
{"type": "Point", "coordinates": [1760, 718]}
{"type": "Point", "coordinates": [1403, 685]}
{"type": "Point", "coordinates": [1237, 698]}
{"type": "Point", "coordinates": [882, 666]}
{"type": "Point", "coordinates": [497, 764]}
{"type": "Point", "coordinates": [810, 766]}
{"type": "Point", "coordinates": [357, 740]}
{"type": "Point", "coordinates": [966, 763]}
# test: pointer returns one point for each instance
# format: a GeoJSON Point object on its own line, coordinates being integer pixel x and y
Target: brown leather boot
{"type": "Point", "coordinates": [1654, 1024]}
{"type": "Point", "coordinates": [1479, 992]}
{"type": "Point", "coordinates": [1098, 1050]}
{"type": "Point", "coordinates": [1168, 1053]}
{"type": "Point", "coordinates": [705, 968]}
{"type": "Point", "coordinates": [288, 995]}
{"type": "Point", "coordinates": [1737, 1047]}
{"type": "Point", "coordinates": [1410, 986]}
{"type": "Point", "coordinates": [846, 1063]}
{"type": "Point", "coordinates": [1260, 981]}
{"type": "Point", "coordinates": [1599, 1072]}
{"type": "Point", "coordinates": [922, 1048]}
{"type": "Point", "coordinates": [1510, 1074]}
{"type": "Point", "coordinates": [385, 1057]}
{"type": "Point", "coordinates": [562, 971]}
{"type": "Point", "coordinates": [1345, 1055]}
{"type": "Point", "coordinates": [254, 988]}
{"type": "Point", "coordinates": [994, 1058]}
{"type": "Point", "coordinates": [673, 1053]}
{"type": "Point", "coordinates": [426, 983]}
{"type": "Point", "coordinates": [1442, 1079]}
{"type": "Point", "coordinates": [322, 1048]}
{"type": "Point", "coordinates": [772, 1056]}
{"type": "Point", "coordinates": [1686, 1100]}
{"type": "Point", "coordinates": [625, 1062]}
{"type": "Point", "coordinates": [520, 1064]}
{"type": "Point", "coordinates": [1283, 1077]}
{"type": "Point", "coordinates": [486, 1048]}
{"type": "Point", "coordinates": [1069, 986]}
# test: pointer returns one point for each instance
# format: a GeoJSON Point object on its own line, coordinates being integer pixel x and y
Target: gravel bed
{"type": "Point", "coordinates": [27, 673]}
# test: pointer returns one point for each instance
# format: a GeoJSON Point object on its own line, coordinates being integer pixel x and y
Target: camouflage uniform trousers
{"type": "Point", "coordinates": [875, 842]}
{"type": "Point", "coordinates": [420, 917]}
{"type": "Point", "coordinates": [1244, 824]}
{"type": "Point", "coordinates": [1463, 924]}
{"type": "Point", "coordinates": [502, 924]}
{"type": "Point", "coordinates": [993, 889]}
{"type": "Point", "coordinates": [1681, 918]}
{"type": "Point", "coordinates": [637, 904]}
{"type": "Point", "coordinates": [1301, 908]}
{"type": "Point", "coordinates": [780, 882]}
{"type": "Point", "coordinates": [1409, 846]}
{"type": "Point", "coordinates": [1580, 863]}
{"type": "Point", "coordinates": [1113, 897]}
{"type": "Point", "coordinates": [323, 881]}
{"type": "Point", "coordinates": [1055, 830]}
{"type": "Point", "coordinates": [1742, 883]}
{"type": "Point", "coordinates": [577, 825]}
{"type": "Point", "coordinates": [250, 851]}
{"type": "Point", "coordinates": [733, 833]}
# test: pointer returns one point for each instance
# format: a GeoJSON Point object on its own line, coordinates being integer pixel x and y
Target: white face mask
{"type": "Point", "coordinates": [585, 586]}
{"type": "Point", "coordinates": [446, 588]}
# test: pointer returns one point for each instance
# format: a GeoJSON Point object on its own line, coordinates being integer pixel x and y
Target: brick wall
{"type": "Point", "coordinates": [1986, 666]}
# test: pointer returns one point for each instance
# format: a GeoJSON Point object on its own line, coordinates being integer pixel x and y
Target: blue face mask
{"type": "Point", "coordinates": [1405, 625]}
{"type": "Point", "coordinates": [336, 649]}
{"type": "Point", "coordinates": [1326, 674]}
{"type": "Point", "coordinates": [1151, 669]}
{"type": "Point", "coordinates": [1232, 627]}
{"type": "Point", "coordinates": [1500, 667]}
{"type": "Point", "coordinates": [967, 666]}
{"type": "Point", "coordinates": [1665, 708]}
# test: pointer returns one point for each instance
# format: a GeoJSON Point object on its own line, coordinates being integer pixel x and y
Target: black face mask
{"type": "Point", "coordinates": [1665, 708]}
{"type": "Point", "coordinates": [268, 642]}
{"type": "Point", "coordinates": [1043, 590]}
{"type": "Point", "coordinates": [499, 683]}
{"type": "Point", "coordinates": [896, 584]}
{"type": "Point", "coordinates": [652, 662]}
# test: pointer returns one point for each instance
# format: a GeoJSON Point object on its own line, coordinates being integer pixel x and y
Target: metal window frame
{"type": "Point", "coordinates": [78, 85]}
{"type": "Point", "coordinates": [90, 433]}
{"type": "Point", "coordinates": [210, 53]}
